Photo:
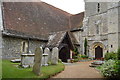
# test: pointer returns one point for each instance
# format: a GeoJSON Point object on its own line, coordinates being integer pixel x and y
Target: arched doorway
{"type": "Point", "coordinates": [64, 53]}
{"type": "Point", "coordinates": [98, 52]}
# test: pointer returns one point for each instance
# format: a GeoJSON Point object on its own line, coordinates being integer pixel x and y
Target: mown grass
{"type": "Point", "coordinates": [11, 70]}
{"type": "Point", "coordinates": [0, 68]}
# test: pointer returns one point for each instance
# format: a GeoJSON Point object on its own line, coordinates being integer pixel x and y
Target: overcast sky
{"type": "Point", "coordinates": [71, 6]}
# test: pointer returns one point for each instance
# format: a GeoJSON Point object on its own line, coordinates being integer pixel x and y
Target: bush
{"type": "Point", "coordinates": [76, 60]}
{"type": "Point", "coordinates": [79, 57]}
{"type": "Point", "coordinates": [111, 55]}
{"type": "Point", "coordinates": [109, 69]}
{"type": "Point", "coordinates": [75, 57]}
{"type": "Point", "coordinates": [118, 61]}
{"type": "Point", "coordinates": [49, 63]}
{"type": "Point", "coordinates": [59, 60]}
{"type": "Point", "coordinates": [76, 51]}
{"type": "Point", "coordinates": [118, 67]}
{"type": "Point", "coordinates": [84, 56]}
{"type": "Point", "coordinates": [118, 54]}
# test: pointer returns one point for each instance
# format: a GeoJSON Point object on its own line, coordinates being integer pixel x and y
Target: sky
{"type": "Point", "coordinates": [70, 6]}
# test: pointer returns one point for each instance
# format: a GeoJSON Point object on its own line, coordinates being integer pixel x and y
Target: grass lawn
{"type": "Point", "coordinates": [0, 68]}
{"type": "Point", "coordinates": [10, 70]}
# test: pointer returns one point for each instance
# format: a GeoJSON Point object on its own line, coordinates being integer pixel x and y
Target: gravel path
{"type": "Point", "coordinates": [79, 70]}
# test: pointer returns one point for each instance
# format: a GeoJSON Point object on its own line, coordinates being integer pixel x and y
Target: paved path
{"type": "Point", "coordinates": [79, 70]}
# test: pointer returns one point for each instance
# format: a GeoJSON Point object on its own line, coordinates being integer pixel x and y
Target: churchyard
{"type": "Point", "coordinates": [86, 48]}
{"type": "Point", "coordinates": [43, 66]}
{"type": "Point", "coordinates": [33, 66]}
{"type": "Point", "coordinates": [11, 70]}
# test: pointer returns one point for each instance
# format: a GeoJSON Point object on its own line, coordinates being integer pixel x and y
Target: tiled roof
{"type": "Point", "coordinates": [55, 39]}
{"type": "Point", "coordinates": [34, 18]}
{"type": "Point", "coordinates": [13, 33]}
{"type": "Point", "coordinates": [37, 19]}
{"type": "Point", "coordinates": [77, 20]}
{"type": "Point", "coordinates": [72, 37]}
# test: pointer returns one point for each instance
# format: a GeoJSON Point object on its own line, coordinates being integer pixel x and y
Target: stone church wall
{"type": "Point", "coordinates": [119, 26]}
{"type": "Point", "coordinates": [91, 8]}
{"type": "Point", "coordinates": [113, 29]}
{"type": "Point", "coordinates": [107, 20]}
{"type": "Point", "coordinates": [11, 47]}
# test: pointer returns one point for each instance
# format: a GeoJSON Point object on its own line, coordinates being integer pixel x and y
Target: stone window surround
{"type": "Point", "coordinates": [24, 44]}
{"type": "Point", "coordinates": [97, 29]}
{"type": "Point", "coordinates": [98, 7]}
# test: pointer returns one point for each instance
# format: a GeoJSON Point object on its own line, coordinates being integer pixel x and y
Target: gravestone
{"type": "Point", "coordinates": [47, 51]}
{"type": "Point", "coordinates": [45, 60]}
{"type": "Point", "coordinates": [37, 60]}
{"type": "Point", "coordinates": [27, 60]}
{"type": "Point", "coordinates": [46, 56]}
{"type": "Point", "coordinates": [55, 56]}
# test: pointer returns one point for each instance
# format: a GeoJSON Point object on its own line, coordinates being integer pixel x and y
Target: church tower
{"type": "Point", "coordinates": [100, 27]}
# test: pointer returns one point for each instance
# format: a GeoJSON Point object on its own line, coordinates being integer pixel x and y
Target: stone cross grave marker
{"type": "Point", "coordinates": [55, 55]}
{"type": "Point", "coordinates": [37, 60]}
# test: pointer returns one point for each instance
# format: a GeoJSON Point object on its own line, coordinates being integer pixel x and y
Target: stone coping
{"type": "Point", "coordinates": [32, 54]}
{"type": "Point", "coordinates": [27, 54]}
{"type": "Point", "coordinates": [45, 54]}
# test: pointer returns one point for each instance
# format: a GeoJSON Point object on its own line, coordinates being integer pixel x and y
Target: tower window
{"type": "Point", "coordinates": [107, 51]}
{"type": "Point", "coordinates": [111, 46]}
{"type": "Point", "coordinates": [98, 7]}
{"type": "Point", "coordinates": [97, 29]}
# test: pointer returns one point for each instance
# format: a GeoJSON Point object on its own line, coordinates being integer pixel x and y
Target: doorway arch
{"type": "Point", "coordinates": [64, 53]}
{"type": "Point", "coordinates": [98, 52]}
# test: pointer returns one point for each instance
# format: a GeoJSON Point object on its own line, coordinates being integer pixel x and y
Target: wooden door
{"type": "Point", "coordinates": [98, 52]}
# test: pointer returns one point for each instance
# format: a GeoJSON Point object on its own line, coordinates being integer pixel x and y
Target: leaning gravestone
{"type": "Point", "coordinates": [37, 60]}
{"type": "Point", "coordinates": [54, 56]}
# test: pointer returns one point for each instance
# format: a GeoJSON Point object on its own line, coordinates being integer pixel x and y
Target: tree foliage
{"type": "Point", "coordinates": [85, 46]}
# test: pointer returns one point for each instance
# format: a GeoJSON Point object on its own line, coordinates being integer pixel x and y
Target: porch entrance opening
{"type": "Point", "coordinates": [98, 52]}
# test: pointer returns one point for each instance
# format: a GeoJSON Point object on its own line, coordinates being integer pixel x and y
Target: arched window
{"type": "Point", "coordinates": [98, 9]}
{"type": "Point", "coordinates": [24, 47]}
{"type": "Point", "coordinates": [111, 46]}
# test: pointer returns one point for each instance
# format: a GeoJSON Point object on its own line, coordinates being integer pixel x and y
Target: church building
{"type": "Point", "coordinates": [101, 28]}
{"type": "Point", "coordinates": [28, 25]}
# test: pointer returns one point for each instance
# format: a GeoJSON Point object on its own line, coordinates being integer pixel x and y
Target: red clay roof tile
{"type": "Point", "coordinates": [37, 18]}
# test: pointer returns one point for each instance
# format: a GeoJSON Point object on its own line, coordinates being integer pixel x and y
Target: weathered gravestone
{"type": "Point", "coordinates": [37, 60]}
{"type": "Point", "coordinates": [27, 60]}
{"type": "Point", "coordinates": [54, 59]}
{"type": "Point", "coordinates": [46, 56]}
{"type": "Point", "coordinates": [47, 51]}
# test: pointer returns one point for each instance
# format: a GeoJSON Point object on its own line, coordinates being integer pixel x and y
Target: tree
{"type": "Point", "coordinates": [85, 46]}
